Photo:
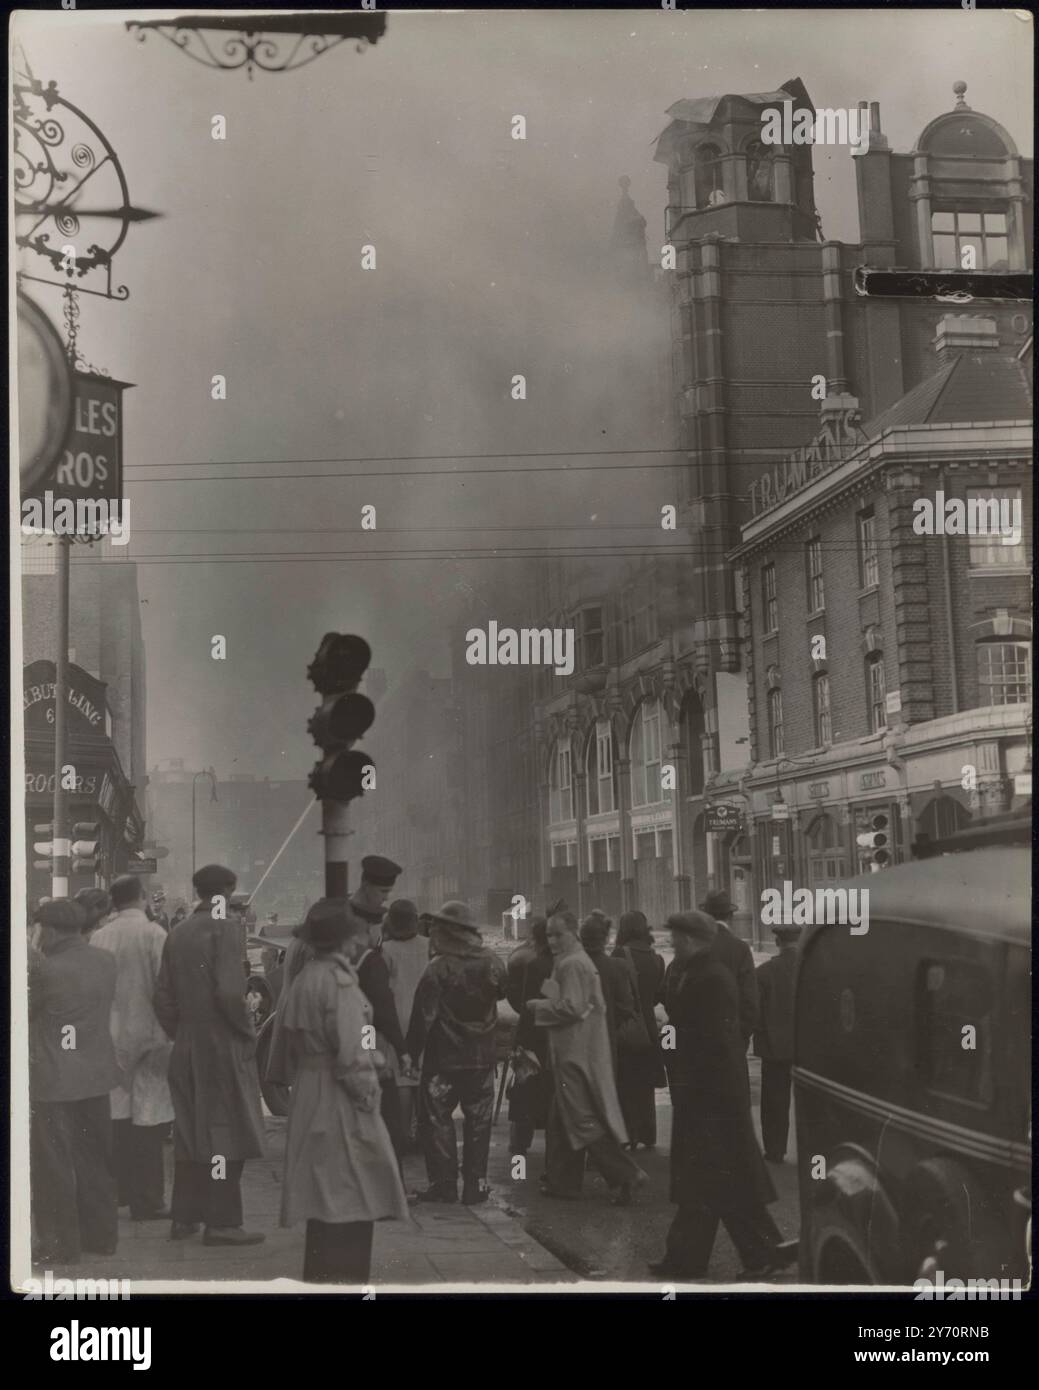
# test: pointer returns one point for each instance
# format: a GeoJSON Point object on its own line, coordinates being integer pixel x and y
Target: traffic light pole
{"type": "Point", "coordinates": [61, 843]}
{"type": "Point", "coordinates": [335, 827]}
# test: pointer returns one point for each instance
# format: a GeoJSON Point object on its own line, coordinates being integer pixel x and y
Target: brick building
{"type": "Point", "coordinates": [889, 671]}
{"type": "Point", "coordinates": [725, 363]}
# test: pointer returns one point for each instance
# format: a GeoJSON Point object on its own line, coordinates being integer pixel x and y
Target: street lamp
{"type": "Point", "coordinates": [206, 772]}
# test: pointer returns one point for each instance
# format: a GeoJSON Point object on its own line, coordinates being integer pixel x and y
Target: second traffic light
{"type": "Point", "coordinates": [875, 839]}
{"type": "Point", "coordinates": [342, 717]}
{"type": "Point", "coordinates": [86, 848]}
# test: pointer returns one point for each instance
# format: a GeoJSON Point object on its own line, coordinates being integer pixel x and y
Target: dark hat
{"type": "Point", "coordinates": [328, 924]}
{"type": "Point", "coordinates": [212, 879]}
{"type": "Point", "coordinates": [402, 910]}
{"type": "Point", "coordinates": [717, 904]}
{"type": "Point", "coordinates": [456, 914]}
{"type": "Point", "coordinates": [595, 930]}
{"type": "Point", "coordinates": [695, 924]}
{"type": "Point", "coordinates": [382, 872]}
{"type": "Point", "coordinates": [62, 915]}
{"type": "Point", "coordinates": [401, 920]}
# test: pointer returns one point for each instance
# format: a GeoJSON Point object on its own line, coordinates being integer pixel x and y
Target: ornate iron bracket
{"type": "Point", "coordinates": [283, 43]}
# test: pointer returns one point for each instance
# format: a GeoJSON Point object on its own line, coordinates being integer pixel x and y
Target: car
{"type": "Point", "coordinates": [911, 1073]}
{"type": "Point", "coordinates": [266, 960]}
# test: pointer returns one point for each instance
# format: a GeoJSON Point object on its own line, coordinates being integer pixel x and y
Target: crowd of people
{"type": "Point", "coordinates": [387, 1022]}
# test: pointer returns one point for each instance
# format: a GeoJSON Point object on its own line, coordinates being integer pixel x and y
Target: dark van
{"type": "Point", "coordinates": [911, 1076]}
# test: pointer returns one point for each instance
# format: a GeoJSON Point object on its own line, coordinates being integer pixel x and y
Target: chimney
{"type": "Point", "coordinates": [958, 333]}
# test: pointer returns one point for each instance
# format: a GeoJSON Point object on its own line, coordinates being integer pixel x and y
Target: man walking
{"type": "Point", "coordinates": [200, 1002]}
{"type": "Point", "coordinates": [774, 1041]}
{"type": "Point", "coordinates": [453, 1023]}
{"type": "Point", "coordinates": [72, 1068]}
{"type": "Point", "coordinates": [585, 1114]}
{"type": "Point", "coordinates": [717, 1174]}
{"type": "Point", "coordinates": [141, 1107]}
{"type": "Point", "coordinates": [735, 954]}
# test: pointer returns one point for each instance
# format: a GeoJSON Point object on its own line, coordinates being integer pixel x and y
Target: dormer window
{"type": "Point", "coordinates": [954, 230]}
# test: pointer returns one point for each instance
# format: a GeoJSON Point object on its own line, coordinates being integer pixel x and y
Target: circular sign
{"type": "Point", "coordinates": [44, 393]}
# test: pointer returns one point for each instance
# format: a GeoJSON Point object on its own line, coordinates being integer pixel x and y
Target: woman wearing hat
{"type": "Point", "coordinates": [340, 1171]}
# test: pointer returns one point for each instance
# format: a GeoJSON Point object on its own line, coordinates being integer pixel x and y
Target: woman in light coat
{"type": "Point", "coordinates": [340, 1171]}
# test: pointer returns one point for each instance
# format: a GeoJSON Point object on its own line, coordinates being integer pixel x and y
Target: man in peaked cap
{"type": "Point", "coordinates": [378, 875]}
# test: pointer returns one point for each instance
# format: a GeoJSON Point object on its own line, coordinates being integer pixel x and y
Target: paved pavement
{"type": "Point", "coordinates": [441, 1245]}
{"type": "Point", "coordinates": [603, 1242]}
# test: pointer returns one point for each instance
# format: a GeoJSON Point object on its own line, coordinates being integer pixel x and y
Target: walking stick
{"type": "Point", "coordinates": [501, 1088]}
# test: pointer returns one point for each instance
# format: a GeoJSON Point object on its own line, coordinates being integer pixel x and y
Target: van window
{"type": "Point", "coordinates": [954, 1011]}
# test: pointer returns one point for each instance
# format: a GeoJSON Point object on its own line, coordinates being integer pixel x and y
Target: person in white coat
{"type": "Point", "coordinates": [142, 1108]}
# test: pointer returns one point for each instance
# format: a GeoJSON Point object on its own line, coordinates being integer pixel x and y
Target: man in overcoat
{"type": "Point", "coordinates": [200, 1002]}
{"type": "Point", "coordinates": [72, 1068]}
{"type": "Point", "coordinates": [717, 1172]}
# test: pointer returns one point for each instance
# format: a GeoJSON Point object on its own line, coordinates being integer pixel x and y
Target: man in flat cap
{"type": "Point", "coordinates": [717, 1172]}
{"type": "Point", "coordinates": [453, 1023]}
{"type": "Point", "coordinates": [72, 1068]}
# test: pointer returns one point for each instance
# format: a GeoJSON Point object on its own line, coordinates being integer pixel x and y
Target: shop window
{"type": "Point", "coordinates": [814, 575]}
{"type": "Point", "coordinates": [869, 567]}
{"type": "Point", "coordinates": [821, 702]}
{"type": "Point", "coordinates": [1004, 673]}
{"type": "Point", "coordinates": [601, 771]}
{"type": "Point", "coordinates": [953, 231]}
{"type": "Point", "coordinates": [876, 693]}
{"type": "Point", "coordinates": [988, 551]}
{"type": "Point", "coordinates": [775, 723]}
{"type": "Point", "coordinates": [953, 995]}
{"type": "Point", "coordinates": [769, 603]}
{"type": "Point", "coordinates": [941, 817]}
{"type": "Point", "coordinates": [826, 859]}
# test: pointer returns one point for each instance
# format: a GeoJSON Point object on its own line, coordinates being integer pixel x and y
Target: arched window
{"type": "Point", "coordinates": [649, 735]}
{"type": "Point", "coordinates": [707, 175]}
{"type": "Point", "coordinates": [826, 859]}
{"type": "Point", "coordinates": [560, 785]}
{"type": "Point", "coordinates": [759, 174]}
{"type": "Point", "coordinates": [600, 767]}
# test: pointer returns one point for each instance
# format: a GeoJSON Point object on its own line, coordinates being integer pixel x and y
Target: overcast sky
{"type": "Point", "coordinates": [489, 263]}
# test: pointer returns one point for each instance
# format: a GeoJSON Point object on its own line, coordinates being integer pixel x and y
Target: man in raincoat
{"type": "Point", "coordinates": [585, 1116]}
{"type": "Point", "coordinates": [142, 1107]}
{"type": "Point", "coordinates": [200, 1002]}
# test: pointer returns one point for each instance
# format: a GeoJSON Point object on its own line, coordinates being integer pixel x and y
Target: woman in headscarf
{"type": "Point", "coordinates": [640, 1073]}
{"type": "Point", "coordinates": [406, 952]}
{"type": "Point", "coordinates": [340, 1171]}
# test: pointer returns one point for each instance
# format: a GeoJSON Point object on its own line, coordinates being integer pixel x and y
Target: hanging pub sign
{"type": "Point", "coordinates": [88, 469]}
{"type": "Point", "coordinates": [722, 818]}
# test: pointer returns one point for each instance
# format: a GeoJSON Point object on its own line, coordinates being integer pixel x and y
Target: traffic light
{"type": "Point", "coordinates": [44, 847]}
{"type": "Point", "coordinates": [341, 718]}
{"type": "Point", "coordinates": [875, 839]}
{"type": "Point", "coordinates": [86, 848]}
